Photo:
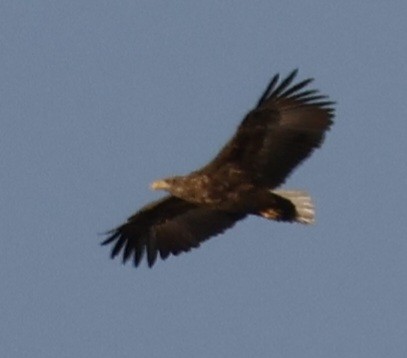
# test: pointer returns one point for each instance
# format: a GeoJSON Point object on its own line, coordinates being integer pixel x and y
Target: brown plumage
{"type": "Point", "coordinates": [287, 124]}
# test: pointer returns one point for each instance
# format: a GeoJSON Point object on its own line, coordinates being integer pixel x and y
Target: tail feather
{"type": "Point", "coordinates": [302, 202]}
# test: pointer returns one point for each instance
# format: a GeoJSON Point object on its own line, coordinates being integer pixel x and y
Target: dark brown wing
{"type": "Point", "coordinates": [288, 123]}
{"type": "Point", "coordinates": [167, 226]}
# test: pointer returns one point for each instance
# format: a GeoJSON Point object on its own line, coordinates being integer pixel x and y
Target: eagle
{"type": "Point", "coordinates": [287, 124]}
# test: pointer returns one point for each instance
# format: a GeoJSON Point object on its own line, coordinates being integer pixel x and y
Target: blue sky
{"type": "Point", "coordinates": [99, 98]}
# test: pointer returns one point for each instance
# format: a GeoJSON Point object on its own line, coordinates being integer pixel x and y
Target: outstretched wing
{"type": "Point", "coordinates": [287, 124]}
{"type": "Point", "coordinates": [167, 226]}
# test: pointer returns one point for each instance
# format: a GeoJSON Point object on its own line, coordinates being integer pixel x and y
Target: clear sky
{"type": "Point", "coordinates": [99, 98]}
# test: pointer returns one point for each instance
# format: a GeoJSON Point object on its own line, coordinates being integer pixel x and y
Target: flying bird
{"type": "Point", "coordinates": [287, 124]}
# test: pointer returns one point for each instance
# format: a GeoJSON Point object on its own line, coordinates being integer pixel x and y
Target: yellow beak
{"type": "Point", "coordinates": [159, 185]}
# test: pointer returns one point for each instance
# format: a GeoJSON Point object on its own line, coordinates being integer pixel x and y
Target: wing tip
{"type": "Point", "coordinates": [284, 89]}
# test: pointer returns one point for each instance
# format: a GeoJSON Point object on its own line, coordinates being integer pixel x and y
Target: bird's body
{"type": "Point", "coordinates": [282, 130]}
{"type": "Point", "coordinates": [222, 186]}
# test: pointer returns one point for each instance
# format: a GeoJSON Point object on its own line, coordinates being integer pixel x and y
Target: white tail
{"type": "Point", "coordinates": [302, 202]}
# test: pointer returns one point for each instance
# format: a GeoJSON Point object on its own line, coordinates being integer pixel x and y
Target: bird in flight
{"type": "Point", "coordinates": [287, 124]}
